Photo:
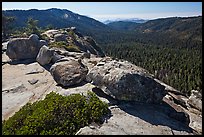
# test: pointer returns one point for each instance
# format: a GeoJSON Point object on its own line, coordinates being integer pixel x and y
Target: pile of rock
{"type": "Point", "coordinates": [119, 79]}
{"type": "Point", "coordinates": [24, 48]}
{"type": "Point", "coordinates": [71, 36]}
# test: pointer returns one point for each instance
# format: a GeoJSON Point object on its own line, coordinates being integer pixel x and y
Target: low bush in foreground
{"type": "Point", "coordinates": [56, 115]}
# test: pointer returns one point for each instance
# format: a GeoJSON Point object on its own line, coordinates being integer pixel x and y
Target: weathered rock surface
{"type": "Point", "coordinates": [29, 83]}
{"type": "Point", "coordinates": [95, 46]}
{"type": "Point", "coordinates": [45, 55]}
{"type": "Point", "coordinates": [125, 81]}
{"type": "Point", "coordinates": [84, 43]}
{"type": "Point", "coordinates": [56, 57]}
{"type": "Point", "coordinates": [59, 37]}
{"type": "Point", "coordinates": [17, 91]}
{"type": "Point", "coordinates": [23, 48]}
{"type": "Point", "coordinates": [33, 81]}
{"type": "Point", "coordinates": [176, 112]}
{"type": "Point", "coordinates": [75, 55]}
{"type": "Point", "coordinates": [137, 119]}
{"type": "Point", "coordinates": [195, 100]}
{"type": "Point", "coordinates": [4, 46]}
{"type": "Point", "coordinates": [5, 59]}
{"type": "Point", "coordinates": [59, 54]}
{"type": "Point", "coordinates": [126, 118]}
{"type": "Point", "coordinates": [51, 33]}
{"type": "Point", "coordinates": [68, 72]}
{"type": "Point", "coordinates": [43, 42]}
{"type": "Point", "coordinates": [14, 89]}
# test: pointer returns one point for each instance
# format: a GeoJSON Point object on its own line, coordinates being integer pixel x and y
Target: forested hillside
{"type": "Point", "coordinates": [123, 25]}
{"type": "Point", "coordinates": [56, 18]}
{"type": "Point", "coordinates": [177, 31]}
{"type": "Point", "coordinates": [181, 69]}
{"type": "Point", "coordinates": [170, 48]}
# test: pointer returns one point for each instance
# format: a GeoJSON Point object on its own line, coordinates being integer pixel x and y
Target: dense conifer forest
{"type": "Point", "coordinates": [172, 50]}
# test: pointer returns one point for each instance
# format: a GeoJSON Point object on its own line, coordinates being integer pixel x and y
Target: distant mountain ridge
{"type": "Point", "coordinates": [59, 18]}
{"type": "Point", "coordinates": [178, 23]}
{"type": "Point", "coordinates": [173, 30]}
{"type": "Point", "coordinates": [135, 20]}
{"type": "Point", "coordinates": [165, 31]}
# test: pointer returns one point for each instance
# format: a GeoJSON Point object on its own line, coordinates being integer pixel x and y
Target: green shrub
{"type": "Point", "coordinates": [56, 115]}
{"type": "Point", "coordinates": [62, 44]}
{"type": "Point", "coordinates": [72, 34]}
{"type": "Point", "coordinates": [45, 37]}
{"type": "Point", "coordinates": [72, 48]}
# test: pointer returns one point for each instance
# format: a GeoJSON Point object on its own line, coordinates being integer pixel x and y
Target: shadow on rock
{"type": "Point", "coordinates": [155, 114]}
{"type": "Point", "coordinates": [47, 67]}
{"type": "Point", "coordinates": [73, 86]}
{"type": "Point", "coordinates": [100, 93]}
{"type": "Point", "coordinates": [29, 61]}
{"type": "Point", "coordinates": [25, 61]}
{"type": "Point", "coordinates": [162, 114]}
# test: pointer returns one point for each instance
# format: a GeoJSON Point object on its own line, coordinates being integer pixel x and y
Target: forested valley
{"type": "Point", "coordinates": [172, 51]}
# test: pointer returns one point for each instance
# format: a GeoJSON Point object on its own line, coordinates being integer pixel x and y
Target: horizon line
{"type": "Point", "coordinates": [106, 17]}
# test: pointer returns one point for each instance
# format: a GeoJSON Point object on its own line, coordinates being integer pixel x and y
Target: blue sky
{"type": "Point", "coordinates": [114, 10]}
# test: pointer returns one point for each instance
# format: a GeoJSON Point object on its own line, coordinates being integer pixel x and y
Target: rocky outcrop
{"type": "Point", "coordinates": [59, 37]}
{"type": "Point", "coordinates": [75, 55]}
{"type": "Point", "coordinates": [56, 57]}
{"type": "Point", "coordinates": [137, 119]}
{"type": "Point", "coordinates": [23, 48]}
{"type": "Point", "coordinates": [4, 46]}
{"type": "Point", "coordinates": [87, 44]}
{"type": "Point", "coordinates": [50, 33]}
{"type": "Point", "coordinates": [176, 112]}
{"type": "Point", "coordinates": [48, 55]}
{"type": "Point", "coordinates": [68, 72]}
{"type": "Point", "coordinates": [125, 81]}
{"type": "Point", "coordinates": [43, 42]}
{"type": "Point", "coordinates": [71, 37]}
{"type": "Point", "coordinates": [139, 103]}
{"type": "Point", "coordinates": [126, 118]}
{"type": "Point", "coordinates": [195, 100]}
{"type": "Point", "coordinates": [94, 45]}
